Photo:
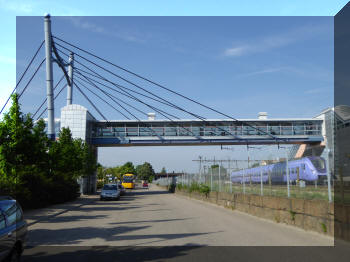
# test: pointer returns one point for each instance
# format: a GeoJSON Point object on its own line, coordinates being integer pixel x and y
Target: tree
{"type": "Point", "coordinates": [163, 171]}
{"type": "Point", "coordinates": [127, 168]}
{"type": "Point", "coordinates": [145, 171]}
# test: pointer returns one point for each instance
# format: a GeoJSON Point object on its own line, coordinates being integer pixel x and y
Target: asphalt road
{"type": "Point", "coordinates": [152, 218]}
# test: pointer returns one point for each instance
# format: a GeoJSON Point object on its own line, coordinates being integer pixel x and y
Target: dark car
{"type": "Point", "coordinates": [121, 189]}
{"type": "Point", "coordinates": [13, 230]}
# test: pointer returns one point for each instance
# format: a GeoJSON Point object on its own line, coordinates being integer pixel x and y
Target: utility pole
{"type": "Point", "coordinates": [49, 79]}
{"type": "Point", "coordinates": [70, 75]}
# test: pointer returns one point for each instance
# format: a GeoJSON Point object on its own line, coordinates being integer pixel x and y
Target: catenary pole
{"type": "Point", "coordinates": [49, 79]}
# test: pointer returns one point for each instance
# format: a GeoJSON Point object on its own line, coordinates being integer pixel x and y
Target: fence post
{"type": "Point", "coordinates": [230, 184]}
{"type": "Point", "coordinates": [261, 183]}
{"type": "Point", "coordinates": [244, 181]}
{"type": "Point", "coordinates": [287, 170]}
{"type": "Point", "coordinates": [219, 178]}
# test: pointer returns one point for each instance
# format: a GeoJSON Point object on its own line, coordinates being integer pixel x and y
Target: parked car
{"type": "Point", "coordinates": [110, 191]}
{"type": "Point", "coordinates": [121, 189]}
{"type": "Point", "coordinates": [13, 230]}
{"type": "Point", "coordinates": [145, 184]}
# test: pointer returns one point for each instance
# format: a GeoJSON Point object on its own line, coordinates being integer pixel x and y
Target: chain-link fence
{"type": "Point", "coordinates": [305, 178]}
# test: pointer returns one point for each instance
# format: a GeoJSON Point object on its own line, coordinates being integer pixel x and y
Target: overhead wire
{"type": "Point", "coordinates": [30, 80]}
{"type": "Point", "coordinates": [128, 112]}
{"type": "Point", "coordinates": [23, 74]}
{"type": "Point", "coordinates": [46, 97]}
{"type": "Point", "coordinates": [108, 94]}
{"type": "Point", "coordinates": [87, 98]}
{"type": "Point", "coordinates": [127, 95]}
{"type": "Point", "coordinates": [63, 87]}
{"type": "Point", "coordinates": [102, 99]}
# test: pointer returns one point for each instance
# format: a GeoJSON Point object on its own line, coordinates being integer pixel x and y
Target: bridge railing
{"type": "Point", "coordinates": [142, 131]}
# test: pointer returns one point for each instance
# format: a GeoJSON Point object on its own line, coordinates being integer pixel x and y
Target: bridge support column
{"type": "Point", "coordinates": [49, 79]}
{"type": "Point", "coordinates": [70, 75]}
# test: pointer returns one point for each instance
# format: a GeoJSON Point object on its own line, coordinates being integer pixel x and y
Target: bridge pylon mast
{"type": "Point", "coordinates": [70, 75]}
{"type": "Point", "coordinates": [49, 78]}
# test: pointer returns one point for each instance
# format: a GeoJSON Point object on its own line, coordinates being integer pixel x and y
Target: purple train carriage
{"type": "Point", "coordinates": [307, 169]}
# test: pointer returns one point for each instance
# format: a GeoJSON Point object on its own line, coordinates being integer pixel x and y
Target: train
{"type": "Point", "coordinates": [308, 169]}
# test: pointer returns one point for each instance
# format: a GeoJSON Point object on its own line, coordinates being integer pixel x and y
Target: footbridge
{"type": "Point", "coordinates": [188, 132]}
{"type": "Point", "coordinates": [213, 132]}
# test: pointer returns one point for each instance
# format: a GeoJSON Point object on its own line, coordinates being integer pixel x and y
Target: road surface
{"type": "Point", "coordinates": [153, 217]}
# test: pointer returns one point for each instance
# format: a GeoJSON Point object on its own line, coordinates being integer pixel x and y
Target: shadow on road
{"type": "Point", "coordinates": [149, 221]}
{"type": "Point", "coordinates": [148, 192]}
{"type": "Point", "coordinates": [188, 253]}
{"type": "Point", "coordinates": [87, 254]}
{"type": "Point", "coordinates": [77, 235]}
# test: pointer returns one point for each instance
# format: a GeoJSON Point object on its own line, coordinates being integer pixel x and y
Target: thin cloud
{"type": "Point", "coordinates": [92, 27]}
{"type": "Point", "coordinates": [17, 6]}
{"type": "Point", "coordinates": [263, 71]}
{"type": "Point", "coordinates": [315, 91]}
{"type": "Point", "coordinates": [276, 41]}
{"type": "Point", "coordinates": [7, 60]}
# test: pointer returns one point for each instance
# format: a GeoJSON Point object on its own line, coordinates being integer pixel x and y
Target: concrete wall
{"type": "Point", "coordinates": [313, 215]}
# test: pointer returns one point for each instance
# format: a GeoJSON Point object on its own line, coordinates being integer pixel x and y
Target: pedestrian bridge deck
{"type": "Point", "coordinates": [210, 132]}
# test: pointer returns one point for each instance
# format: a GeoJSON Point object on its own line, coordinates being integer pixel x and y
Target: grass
{"type": "Point", "coordinates": [309, 192]}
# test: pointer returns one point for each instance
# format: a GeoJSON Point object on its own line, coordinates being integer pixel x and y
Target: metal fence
{"type": "Point", "coordinates": [285, 179]}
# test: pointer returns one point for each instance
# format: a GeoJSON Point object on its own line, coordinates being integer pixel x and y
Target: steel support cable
{"type": "Point", "coordinates": [23, 74]}
{"type": "Point", "coordinates": [90, 102]}
{"type": "Point", "coordinates": [53, 99]}
{"type": "Point", "coordinates": [161, 86]}
{"type": "Point", "coordinates": [160, 112]}
{"type": "Point", "coordinates": [30, 80]}
{"type": "Point", "coordinates": [127, 95]}
{"type": "Point", "coordinates": [110, 95]}
{"type": "Point", "coordinates": [59, 61]}
{"type": "Point", "coordinates": [103, 100]}
{"type": "Point", "coordinates": [147, 125]}
{"type": "Point", "coordinates": [129, 82]}
{"type": "Point", "coordinates": [46, 97]}
{"type": "Point", "coordinates": [202, 118]}
{"type": "Point", "coordinates": [127, 111]}
{"type": "Point", "coordinates": [120, 86]}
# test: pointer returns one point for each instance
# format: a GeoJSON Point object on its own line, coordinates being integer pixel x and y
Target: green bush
{"type": "Point", "coordinates": [171, 188]}
{"type": "Point", "coordinates": [204, 189]}
{"type": "Point", "coordinates": [194, 187]}
{"type": "Point", "coordinates": [100, 184]}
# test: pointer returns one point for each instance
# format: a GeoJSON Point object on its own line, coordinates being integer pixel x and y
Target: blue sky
{"type": "Point", "coordinates": [239, 65]}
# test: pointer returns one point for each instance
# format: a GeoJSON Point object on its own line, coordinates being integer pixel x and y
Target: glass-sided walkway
{"type": "Point", "coordinates": [192, 132]}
